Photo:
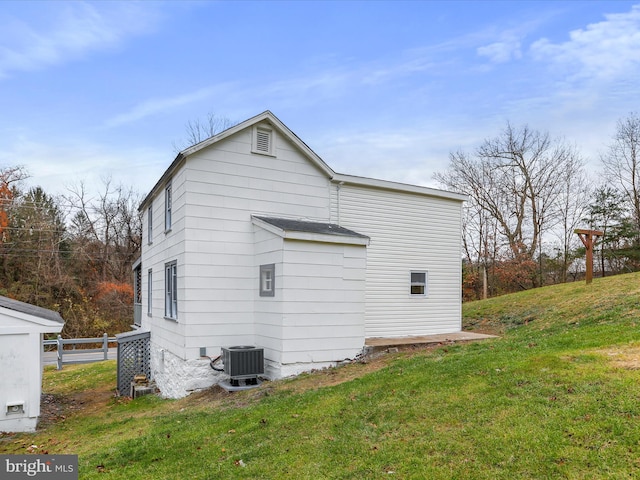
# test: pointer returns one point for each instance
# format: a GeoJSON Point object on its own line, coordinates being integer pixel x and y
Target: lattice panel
{"type": "Point", "coordinates": [134, 358]}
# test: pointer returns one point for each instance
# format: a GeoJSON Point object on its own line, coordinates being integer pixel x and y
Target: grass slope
{"type": "Point", "coordinates": [556, 397]}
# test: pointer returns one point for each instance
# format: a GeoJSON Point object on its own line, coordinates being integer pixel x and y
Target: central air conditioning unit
{"type": "Point", "coordinates": [243, 363]}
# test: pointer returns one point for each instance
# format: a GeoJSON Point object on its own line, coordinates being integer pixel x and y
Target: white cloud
{"type": "Point", "coordinates": [55, 166]}
{"type": "Point", "coordinates": [68, 33]}
{"type": "Point", "coordinates": [606, 50]}
{"type": "Point", "coordinates": [501, 52]}
{"type": "Point", "coordinates": [160, 105]}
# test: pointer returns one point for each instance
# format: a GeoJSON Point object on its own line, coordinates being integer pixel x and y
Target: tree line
{"type": "Point", "coordinates": [528, 192]}
{"type": "Point", "coordinates": [71, 253]}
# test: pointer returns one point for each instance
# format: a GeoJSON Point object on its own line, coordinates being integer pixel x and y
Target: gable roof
{"type": "Point", "coordinates": [311, 231]}
{"type": "Point", "coordinates": [313, 157]}
{"type": "Point", "coordinates": [29, 309]}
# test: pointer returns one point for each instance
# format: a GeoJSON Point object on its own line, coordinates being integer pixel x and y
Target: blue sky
{"type": "Point", "coordinates": [378, 89]}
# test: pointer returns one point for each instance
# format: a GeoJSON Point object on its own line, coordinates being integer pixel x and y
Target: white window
{"type": "Point", "coordinates": [262, 141]}
{"type": "Point", "coordinates": [149, 292]}
{"type": "Point", "coordinates": [419, 283]}
{"type": "Point", "coordinates": [171, 290]}
{"type": "Point", "coordinates": [168, 200]}
{"type": "Point", "coordinates": [267, 280]}
{"type": "Point", "coordinates": [150, 225]}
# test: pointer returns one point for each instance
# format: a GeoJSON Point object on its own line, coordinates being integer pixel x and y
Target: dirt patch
{"type": "Point", "coordinates": [55, 408]}
{"type": "Point", "coordinates": [627, 358]}
{"type": "Point", "coordinates": [217, 397]}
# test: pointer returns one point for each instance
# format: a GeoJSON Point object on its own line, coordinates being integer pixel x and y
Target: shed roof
{"type": "Point", "coordinates": [29, 309]}
{"type": "Point", "coordinates": [287, 224]}
{"type": "Point", "coordinates": [313, 231]}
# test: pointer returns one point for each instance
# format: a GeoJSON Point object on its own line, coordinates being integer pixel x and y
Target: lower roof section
{"type": "Point", "coordinates": [310, 231]}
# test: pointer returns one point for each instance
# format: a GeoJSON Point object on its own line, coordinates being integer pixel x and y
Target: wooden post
{"type": "Point", "coordinates": [588, 238]}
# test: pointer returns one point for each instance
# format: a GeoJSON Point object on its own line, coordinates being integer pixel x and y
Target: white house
{"type": "Point", "coordinates": [250, 238]}
{"type": "Point", "coordinates": [21, 333]}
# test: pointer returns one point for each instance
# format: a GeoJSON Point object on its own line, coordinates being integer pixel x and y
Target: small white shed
{"type": "Point", "coordinates": [22, 327]}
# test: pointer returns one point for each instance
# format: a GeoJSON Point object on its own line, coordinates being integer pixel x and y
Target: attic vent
{"type": "Point", "coordinates": [263, 141]}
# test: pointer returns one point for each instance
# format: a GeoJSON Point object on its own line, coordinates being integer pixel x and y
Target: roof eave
{"type": "Point", "coordinates": [340, 178]}
{"type": "Point", "coordinates": [267, 116]}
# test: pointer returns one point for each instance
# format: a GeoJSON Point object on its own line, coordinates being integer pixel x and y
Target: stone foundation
{"type": "Point", "coordinates": [177, 378]}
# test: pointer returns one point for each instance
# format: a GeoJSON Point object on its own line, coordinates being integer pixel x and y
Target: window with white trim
{"type": "Point", "coordinates": [171, 290]}
{"type": "Point", "coordinates": [149, 292]}
{"type": "Point", "coordinates": [419, 283]}
{"type": "Point", "coordinates": [168, 205]}
{"type": "Point", "coordinates": [262, 141]}
{"type": "Point", "coordinates": [150, 225]}
{"type": "Point", "coordinates": [268, 280]}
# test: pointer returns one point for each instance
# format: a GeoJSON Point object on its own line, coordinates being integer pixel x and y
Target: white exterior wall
{"type": "Point", "coordinates": [21, 365]}
{"type": "Point", "coordinates": [269, 310]}
{"type": "Point", "coordinates": [323, 288]}
{"type": "Point", "coordinates": [317, 316]}
{"type": "Point", "coordinates": [214, 195]}
{"type": "Point", "coordinates": [226, 185]}
{"type": "Point", "coordinates": [408, 232]}
{"type": "Point", "coordinates": [166, 246]}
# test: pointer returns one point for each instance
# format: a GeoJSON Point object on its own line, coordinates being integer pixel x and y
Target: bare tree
{"type": "Point", "coordinates": [573, 200]}
{"type": "Point", "coordinates": [516, 180]}
{"type": "Point", "coordinates": [199, 130]}
{"type": "Point", "coordinates": [107, 228]}
{"type": "Point", "coordinates": [622, 162]}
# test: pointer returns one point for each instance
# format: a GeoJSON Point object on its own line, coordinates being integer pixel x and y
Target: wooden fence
{"type": "Point", "coordinates": [62, 352]}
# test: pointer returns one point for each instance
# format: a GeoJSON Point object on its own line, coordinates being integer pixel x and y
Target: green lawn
{"type": "Point", "coordinates": [557, 396]}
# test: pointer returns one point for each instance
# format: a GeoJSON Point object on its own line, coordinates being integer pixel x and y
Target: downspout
{"type": "Point", "coordinates": [338, 186]}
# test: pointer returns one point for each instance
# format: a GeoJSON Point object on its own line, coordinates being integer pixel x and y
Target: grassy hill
{"type": "Point", "coordinates": [557, 396]}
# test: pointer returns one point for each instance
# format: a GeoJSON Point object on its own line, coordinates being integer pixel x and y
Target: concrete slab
{"type": "Point", "coordinates": [427, 339]}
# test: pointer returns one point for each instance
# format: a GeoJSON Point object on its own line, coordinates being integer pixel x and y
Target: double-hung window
{"type": "Point", "coordinates": [150, 225]}
{"type": "Point", "coordinates": [171, 290]}
{"type": "Point", "coordinates": [418, 283]}
{"type": "Point", "coordinates": [168, 205]}
{"type": "Point", "coordinates": [149, 292]}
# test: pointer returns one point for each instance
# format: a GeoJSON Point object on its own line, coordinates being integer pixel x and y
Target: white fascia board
{"type": "Point", "coordinates": [340, 178]}
{"type": "Point", "coordinates": [24, 321]}
{"type": "Point", "coordinates": [323, 238]}
{"type": "Point", "coordinates": [24, 329]}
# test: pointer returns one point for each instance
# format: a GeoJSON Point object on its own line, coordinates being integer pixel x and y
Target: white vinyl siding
{"type": "Point", "coordinates": [225, 185]}
{"type": "Point", "coordinates": [409, 232]}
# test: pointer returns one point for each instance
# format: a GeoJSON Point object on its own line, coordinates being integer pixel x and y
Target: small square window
{"type": "Point", "coordinates": [267, 280]}
{"type": "Point", "coordinates": [419, 283]}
